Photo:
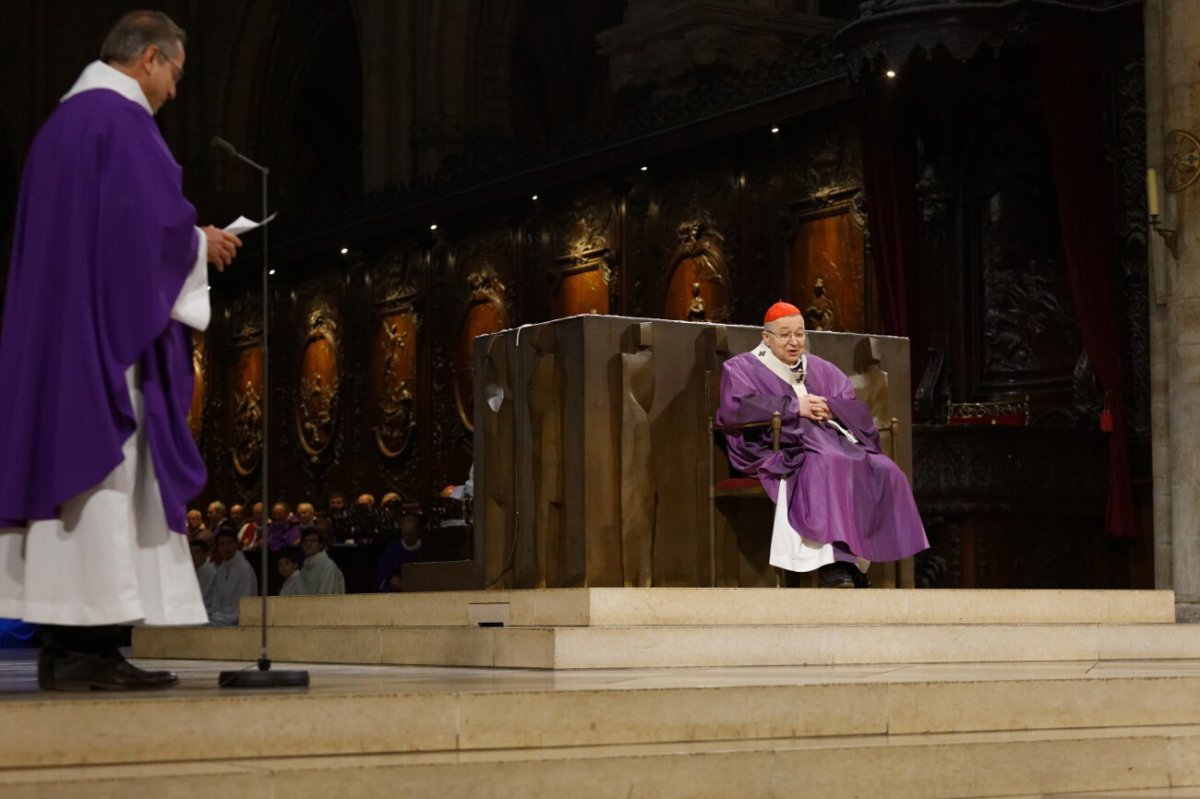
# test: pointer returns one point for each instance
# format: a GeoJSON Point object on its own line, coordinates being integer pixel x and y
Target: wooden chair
{"type": "Point", "coordinates": [732, 486]}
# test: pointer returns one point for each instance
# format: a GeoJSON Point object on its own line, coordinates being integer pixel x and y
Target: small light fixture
{"type": "Point", "coordinates": [534, 198]}
{"type": "Point", "coordinates": [891, 73]}
{"type": "Point", "coordinates": [345, 251]}
{"type": "Point", "coordinates": [774, 128]}
{"type": "Point", "coordinates": [433, 226]}
{"type": "Point", "coordinates": [210, 288]}
{"type": "Point", "coordinates": [271, 272]}
{"type": "Point", "coordinates": [644, 168]}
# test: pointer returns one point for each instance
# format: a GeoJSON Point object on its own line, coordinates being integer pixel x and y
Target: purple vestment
{"type": "Point", "coordinates": [104, 241]}
{"type": "Point", "coordinates": [283, 534]}
{"type": "Point", "coordinates": [841, 493]}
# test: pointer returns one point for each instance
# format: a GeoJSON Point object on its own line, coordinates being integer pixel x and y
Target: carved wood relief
{"type": "Point", "coordinates": [394, 369]}
{"type": "Point", "coordinates": [195, 416]}
{"type": "Point", "coordinates": [484, 312]}
{"type": "Point", "coordinates": [245, 400]}
{"type": "Point", "coordinates": [826, 270]}
{"type": "Point", "coordinates": [583, 274]}
{"type": "Point", "coordinates": [698, 287]}
{"type": "Point", "coordinates": [320, 383]}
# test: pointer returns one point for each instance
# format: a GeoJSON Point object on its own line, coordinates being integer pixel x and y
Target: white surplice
{"type": "Point", "coordinates": [110, 557]}
{"type": "Point", "coordinates": [789, 548]}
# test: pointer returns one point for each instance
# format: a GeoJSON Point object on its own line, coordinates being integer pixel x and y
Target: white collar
{"type": "Point", "coordinates": [98, 75]}
{"type": "Point", "coordinates": [794, 377]}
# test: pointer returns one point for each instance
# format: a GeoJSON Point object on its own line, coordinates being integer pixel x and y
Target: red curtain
{"type": "Point", "coordinates": [1074, 95]}
{"type": "Point", "coordinates": [889, 181]}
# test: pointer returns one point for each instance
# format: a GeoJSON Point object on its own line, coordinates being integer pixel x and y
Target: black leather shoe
{"type": "Point", "coordinates": [84, 671]}
{"type": "Point", "coordinates": [836, 575]}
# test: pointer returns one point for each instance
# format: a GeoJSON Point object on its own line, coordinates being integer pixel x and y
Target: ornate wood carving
{"type": "Point", "coordinates": [195, 417]}
{"type": "Point", "coordinates": [699, 238]}
{"type": "Point", "coordinates": [584, 276]}
{"type": "Point", "coordinates": [827, 274]}
{"type": "Point", "coordinates": [698, 286]}
{"type": "Point", "coordinates": [246, 396]}
{"type": "Point", "coordinates": [320, 382]}
{"type": "Point", "coordinates": [394, 367]}
{"type": "Point", "coordinates": [483, 312]}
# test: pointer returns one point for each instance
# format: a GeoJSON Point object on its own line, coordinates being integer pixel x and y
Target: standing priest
{"type": "Point", "coordinates": [108, 277]}
{"type": "Point", "coordinates": [840, 503]}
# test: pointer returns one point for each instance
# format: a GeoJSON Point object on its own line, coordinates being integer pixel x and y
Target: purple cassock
{"type": "Point", "coordinates": [104, 241]}
{"type": "Point", "coordinates": [842, 493]}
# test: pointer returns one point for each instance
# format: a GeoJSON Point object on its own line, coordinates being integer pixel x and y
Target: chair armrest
{"type": "Point", "coordinates": [775, 423]}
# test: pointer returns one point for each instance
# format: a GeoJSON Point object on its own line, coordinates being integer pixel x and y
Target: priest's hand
{"type": "Point", "coordinates": [814, 407]}
{"type": "Point", "coordinates": [222, 247]}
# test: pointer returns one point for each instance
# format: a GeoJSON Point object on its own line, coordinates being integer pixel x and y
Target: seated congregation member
{"type": "Point", "coordinates": [321, 574]}
{"type": "Point", "coordinates": [306, 514]}
{"type": "Point", "coordinates": [195, 526]}
{"type": "Point", "coordinates": [284, 529]}
{"type": "Point", "coordinates": [406, 550]}
{"type": "Point", "coordinates": [840, 503]}
{"type": "Point", "coordinates": [288, 564]}
{"type": "Point", "coordinates": [206, 572]}
{"type": "Point", "coordinates": [216, 520]}
{"type": "Point", "coordinates": [235, 579]}
{"type": "Point", "coordinates": [247, 530]}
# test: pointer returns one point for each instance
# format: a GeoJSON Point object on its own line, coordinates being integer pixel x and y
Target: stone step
{"type": "Point", "coordinates": [605, 607]}
{"type": "Point", "coordinates": [1154, 760]}
{"type": "Point", "coordinates": [676, 647]}
{"type": "Point", "coordinates": [378, 712]}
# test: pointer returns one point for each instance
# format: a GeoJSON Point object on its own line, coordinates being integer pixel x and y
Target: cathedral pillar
{"type": "Point", "coordinates": [1173, 118]}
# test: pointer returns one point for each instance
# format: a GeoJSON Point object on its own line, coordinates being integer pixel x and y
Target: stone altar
{"type": "Point", "coordinates": [592, 450]}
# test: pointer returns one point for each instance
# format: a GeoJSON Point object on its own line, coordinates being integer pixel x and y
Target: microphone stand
{"type": "Point", "coordinates": [263, 677]}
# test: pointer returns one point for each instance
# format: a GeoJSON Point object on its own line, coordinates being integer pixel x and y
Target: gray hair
{"type": "Point", "coordinates": [136, 31]}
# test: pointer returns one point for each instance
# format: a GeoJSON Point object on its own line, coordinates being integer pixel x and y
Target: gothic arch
{"type": "Point", "coordinates": [284, 57]}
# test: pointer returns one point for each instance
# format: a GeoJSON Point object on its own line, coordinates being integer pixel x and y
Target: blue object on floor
{"type": "Point", "coordinates": [15, 634]}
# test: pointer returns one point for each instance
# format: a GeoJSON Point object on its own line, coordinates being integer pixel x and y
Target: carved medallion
{"type": "Point", "coordinates": [195, 416]}
{"type": "Point", "coordinates": [394, 368]}
{"type": "Point", "coordinates": [1182, 156]}
{"type": "Point", "coordinates": [246, 400]}
{"type": "Point", "coordinates": [484, 313]}
{"type": "Point", "coordinates": [320, 379]}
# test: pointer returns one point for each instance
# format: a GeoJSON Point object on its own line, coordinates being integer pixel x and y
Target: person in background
{"type": "Point", "coordinates": [235, 579]}
{"type": "Point", "coordinates": [321, 574]}
{"type": "Point", "coordinates": [389, 578]}
{"type": "Point", "coordinates": [206, 572]}
{"type": "Point", "coordinates": [288, 564]}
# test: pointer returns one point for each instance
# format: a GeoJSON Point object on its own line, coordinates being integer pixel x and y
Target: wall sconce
{"type": "Point", "coordinates": [1169, 234]}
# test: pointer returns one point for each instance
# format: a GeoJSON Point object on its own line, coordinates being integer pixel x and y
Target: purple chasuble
{"type": "Point", "coordinates": [104, 241]}
{"type": "Point", "coordinates": [841, 493]}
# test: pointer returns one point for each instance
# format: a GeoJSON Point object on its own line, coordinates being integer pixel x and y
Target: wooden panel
{"type": "Point", "coordinates": [581, 291]}
{"type": "Point", "coordinates": [245, 406]}
{"type": "Point", "coordinates": [825, 274]}
{"type": "Point", "coordinates": [393, 380]}
{"type": "Point", "coordinates": [320, 382]}
{"type": "Point", "coordinates": [481, 318]}
{"type": "Point", "coordinates": [195, 416]}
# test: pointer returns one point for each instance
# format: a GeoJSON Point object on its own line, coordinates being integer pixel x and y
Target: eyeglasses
{"type": "Point", "coordinates": [796, 336]}
{"type": "Point", "coordinates": [177, 72]}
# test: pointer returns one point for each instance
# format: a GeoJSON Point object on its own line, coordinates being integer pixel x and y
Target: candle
{"type": "Point", "coordinates": [1152, 191]}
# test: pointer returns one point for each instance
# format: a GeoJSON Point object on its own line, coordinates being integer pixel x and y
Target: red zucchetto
{"type": "Point", "coordinates": [780, 310]}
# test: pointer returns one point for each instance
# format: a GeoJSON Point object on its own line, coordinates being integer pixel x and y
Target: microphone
{"type": "Point", "coordinates": [222, 144]}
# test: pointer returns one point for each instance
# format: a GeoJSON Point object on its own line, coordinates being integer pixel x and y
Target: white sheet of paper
{"type": "Point", "coordinates": [244, 224]}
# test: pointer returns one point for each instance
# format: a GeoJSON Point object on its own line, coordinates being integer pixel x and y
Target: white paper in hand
{"type": "Point", "coordinates": [243, 224]}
